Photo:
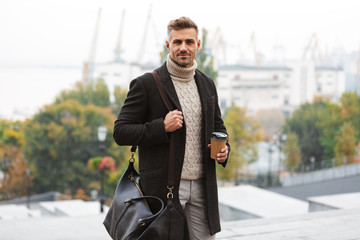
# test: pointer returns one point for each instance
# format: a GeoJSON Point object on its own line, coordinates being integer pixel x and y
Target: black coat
{"type": "Point", "coordinates": [140, 123]}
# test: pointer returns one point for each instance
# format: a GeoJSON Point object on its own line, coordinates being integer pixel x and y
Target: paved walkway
{"type": "Point", "coordinates": [55, 228]}
{"type": "Point", "coordinates": [329, 225]}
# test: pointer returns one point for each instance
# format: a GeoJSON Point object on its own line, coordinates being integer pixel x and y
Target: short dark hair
{"type": "Point", "coordinates": [181, 23]}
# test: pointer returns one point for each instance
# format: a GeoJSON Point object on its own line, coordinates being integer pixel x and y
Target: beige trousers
{"type": "Point", "coordinates": [192, 199]}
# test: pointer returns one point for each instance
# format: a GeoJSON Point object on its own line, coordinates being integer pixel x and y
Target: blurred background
{"type": "Point", "coordinates": [287, 73]}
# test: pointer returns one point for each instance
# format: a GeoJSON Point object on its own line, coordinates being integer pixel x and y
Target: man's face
{"type": "Point", "coordinates": [183, 46]}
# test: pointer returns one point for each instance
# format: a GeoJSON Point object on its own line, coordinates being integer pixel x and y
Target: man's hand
{"type": "Point", "coordinates": [173, 121]}
{"type": "Point", "coordinates": [222, 155]}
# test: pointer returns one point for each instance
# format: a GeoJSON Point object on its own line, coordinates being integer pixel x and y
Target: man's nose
{"type": "Point", "coordinates": [183, 47]}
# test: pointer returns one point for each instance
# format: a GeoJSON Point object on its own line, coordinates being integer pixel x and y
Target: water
{"type": "Point", "coordinates": [23, 91]}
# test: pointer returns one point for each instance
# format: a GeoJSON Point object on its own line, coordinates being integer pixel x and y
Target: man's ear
{"type": "Point", "coordinates": [198, 44]}
{"type": "Point", "coordinates": [167, 45]}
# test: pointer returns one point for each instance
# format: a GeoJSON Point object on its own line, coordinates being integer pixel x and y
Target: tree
{"type": "Point", "coordinates": [271, 121]}
{"type": "Point", "coordinates": [292, 152]}
{"type": "Point", "coordinates": [59, 141]}
{"type": "Point", "coordinates": [350, 110]}
{"type": "Point", "coordinates": [333, 117]}
{"type": "Point", "coordinates": [119, 98]}
{"type": "Point", "coordinates": [345, 147]}
{"type": "Point", "coordinates": [12, 162]}
{"type": "Point", "coordinates": [305, 124]}
{"type": "Point", "coordinates": [243, 136]}
{"type": "Point", "coordinates": [163, 54]}
{"type": "Point", "coordinates": [330, 124]}
{"type": "Point", "coordinates": [11, 133]}
{"type": "Point", "coordinates": [97, 94]}
{"type": "Point", "coordinates": [204, 59]}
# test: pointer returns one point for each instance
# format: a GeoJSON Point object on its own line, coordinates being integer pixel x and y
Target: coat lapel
{"type": "Point", "coordinates": [169, 86]}
{"type": "Point", "coordinates": [203, 91]}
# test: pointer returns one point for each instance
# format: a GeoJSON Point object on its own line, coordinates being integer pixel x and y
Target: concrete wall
{"type": "Point", "coordinates": [322, 175]}
{"type": "Point", "coordinates": [328, 187]}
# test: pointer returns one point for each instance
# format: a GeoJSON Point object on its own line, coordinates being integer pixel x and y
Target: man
{"type": "Point", "coordinates": [144, 121]}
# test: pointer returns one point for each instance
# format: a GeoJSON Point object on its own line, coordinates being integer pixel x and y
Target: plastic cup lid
{"type": "Point", "coordinates": [219, 136]}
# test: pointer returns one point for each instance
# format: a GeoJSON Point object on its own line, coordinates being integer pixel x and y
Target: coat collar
{"type": "Point", "coordinates": [169, 88]}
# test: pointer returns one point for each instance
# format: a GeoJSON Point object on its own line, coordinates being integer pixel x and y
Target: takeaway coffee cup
{"type": "Point", "coordinates": [218, 142]}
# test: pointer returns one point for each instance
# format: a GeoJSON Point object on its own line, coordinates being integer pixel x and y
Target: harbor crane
{"type": "Point", "coordinates": [313, 48]}
{"type": "Point", "coordinates": [258, 55]}
{"type": "Point", "coordinates": [117, 51]}
{"type": "Point", "coordinates": [144, 38]}
{"type": "Point", "coordinates": [88, 66]}
{"type": "Point", "coordinates": [217, 45]}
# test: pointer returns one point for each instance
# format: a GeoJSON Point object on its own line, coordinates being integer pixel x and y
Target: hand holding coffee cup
{"type": "Point", "coordinates": [218, 146]}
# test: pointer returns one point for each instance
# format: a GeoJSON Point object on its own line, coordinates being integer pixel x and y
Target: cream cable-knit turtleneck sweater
{"type": "Point", "coordinates": [187, 92]}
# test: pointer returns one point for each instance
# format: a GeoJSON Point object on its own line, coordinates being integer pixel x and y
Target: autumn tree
{"type": "Point", "coordinates": [330, 124]}
{"type": "Point", "coordinates": [243, 136]}
{"type": "Point", "coordinates": [292, 152]}
{"type": "Point", "coordinates": [13, 165]}
{"type": "Point", "coordinates": [305, 124]}
{"type": "Point", "coordinates": [204, 59]}
{"type": "Point", "coordinates": [59, 141]}
{"type": "Point", "coordinates": [97, 94]}
{"type": "Point", "coordinates": [119, 98]}
{"type": "Point", "coordinates": [350, 110]}
{"type": "Point", "coordinates": [345, 147]}
{"type": "Point", "coordinates": [271, 121]}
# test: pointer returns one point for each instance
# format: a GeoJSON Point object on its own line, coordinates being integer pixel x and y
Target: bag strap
{"type": "Point", "coordinates": [169, 107]}
{"type": "Point", "coordinates": [162, 91]}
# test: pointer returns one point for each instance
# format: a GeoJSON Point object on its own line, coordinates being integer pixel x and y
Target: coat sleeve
{"type": "Point", "coordinates": [132, 126]}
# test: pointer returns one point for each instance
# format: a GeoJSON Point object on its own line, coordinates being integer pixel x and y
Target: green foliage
{"type": "Point", "coordinates": [327, 130]}
{"type": "Point", "coordinates": [59, 141]}
{"type": "Point", "coordinates": [350, 110]}
{"type": "Point", "coordinates": [204, 59]}
{"type": "Point", "coordinates": [329, 124]}
{"type": "Point", "coordinates": [119, 98]}
{"type": "Point", "coordinates": [304, 123]}
{"type": "Point", "coordinates": [345, 146]}
{"type": "Point", "coordinates": [97, 94]}
{"type": "Point", "coordinates": [292, 152]}
{"type": "Point", "coordinates": [163, 54]}
{"type": "Point", "coordinates": [11, 133]}
{"type": "Point", "coordinates": [243, 136]}
{"type": "Point", "coordinates": [333, 118]}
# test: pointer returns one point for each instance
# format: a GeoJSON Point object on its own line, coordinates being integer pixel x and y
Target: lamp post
{"type": "Point", "coordinates": [282, 140]}
{"type": "Point", "coordinates": [28, 188]}
{"type": "Point", "coordinates": [102, 131]}
{"type": "Point", "coordinates": [270, 150]}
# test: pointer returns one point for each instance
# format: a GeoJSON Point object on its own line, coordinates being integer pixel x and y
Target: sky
{"type": "Point", "coordinates": [59, 33]}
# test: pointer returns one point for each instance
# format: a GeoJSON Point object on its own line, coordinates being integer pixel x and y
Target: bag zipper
{"type": "Point", "coordinates": [132, 178]}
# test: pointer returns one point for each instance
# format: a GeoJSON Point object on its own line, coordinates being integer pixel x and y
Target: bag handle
{"type": "Point", "coordinates": [143, 221]}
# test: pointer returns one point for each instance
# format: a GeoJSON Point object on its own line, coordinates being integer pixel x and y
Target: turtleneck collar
{"type": "Point", "coordinates": [180, 73]}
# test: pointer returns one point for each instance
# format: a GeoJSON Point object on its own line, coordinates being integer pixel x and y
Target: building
{"type": "Point", "coordinates": [278, 87]}
{"type": "Point", "coordinates": [254, 88]}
